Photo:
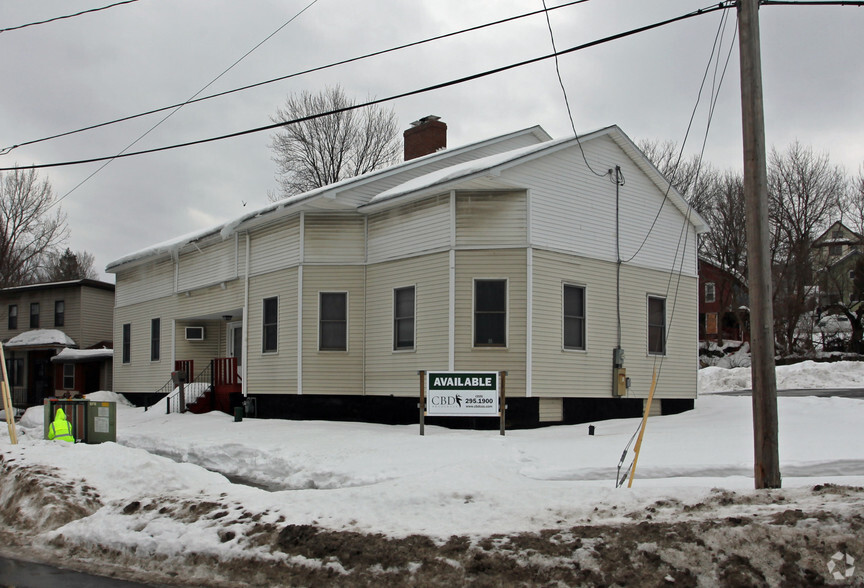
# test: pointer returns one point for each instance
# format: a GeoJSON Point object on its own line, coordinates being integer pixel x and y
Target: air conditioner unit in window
{"type": "Point", "coordinates": [194, 333]}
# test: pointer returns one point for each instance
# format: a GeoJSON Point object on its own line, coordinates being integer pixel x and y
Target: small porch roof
{"type": "Point", "coordinates": [40, 338]}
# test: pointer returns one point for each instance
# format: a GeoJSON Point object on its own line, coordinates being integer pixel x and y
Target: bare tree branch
{"type": "Point", "coordinates": [325, 150]}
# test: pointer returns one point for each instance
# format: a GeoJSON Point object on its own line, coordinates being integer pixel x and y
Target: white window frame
{"type": "Point", "coordinates": [506, 313]}
{"type": "Point", "coordinates": [347, 321]}
{"type": "Point", "coordinates": [72, 376]}
{"type": "Point", "coordinates": [584, 289]}
{"type": "Point", "coordinates": [413, 347]}
{"type": "Point", "coordinates": [158, 347]}
{"type": "Point", "coordinates": [265, 351]}
{"type": "Point", "coordinates": [712, 288]}
{"type": "Point", "coordinates": [648, 299]}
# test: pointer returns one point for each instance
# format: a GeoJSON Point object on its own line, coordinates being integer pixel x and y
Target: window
{"type": "Point", "coordinates": [34, 315]}
{"type": "Point", "coordinates": [15, 371]}
{"type": "Point", "coordinates": [333, 321]}
{"type": "Point", "coordinates": [59, 313]}
{"type": "Point", "coordinates": [852, 274]}
{"type": "Point", "coordinates": [68, 376]}
{"type": "Point", "coordinates": [13, 317]}
{"type": "Point", "coordinates": [490, 313]}
{"type": "Point", "coordinates": [837, 234]}
{"type": "Point", "coordinates": [403, 318]}
{"type": "Point", "coordinates": [835, 250]}
{"type": "Point", "coordinates": [710, 292]}
{"type": "Point", "coordinates": [271, 324]}
{"type": "Point", "coordinates": [155, 335]}
{"type": "Point", "coordinates": [127, 343]}
{"type": "Point", "coordinates": [574, 317]}
{"type": "Point", "coordinates": [656, 325]}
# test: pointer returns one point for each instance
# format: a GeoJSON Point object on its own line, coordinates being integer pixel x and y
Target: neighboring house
{"type": "Point", "coordinates": [835, 253]}
{"type": "Point", "coordinates": [723, 304]}
{"type": "Point", "coordinates": [500, 255]}
{"type": "Point", "coordinates": [44, 320]}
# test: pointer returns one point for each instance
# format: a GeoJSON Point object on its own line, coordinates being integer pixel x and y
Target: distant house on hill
{"type": "Point", "coordinates": [55, 321]}
{"type": "Point", "coordinates": [500, 255]}
{"type": "Point", "coordinates": [835, 254]}
{"type": "Point", "coordinates": [723, 304]}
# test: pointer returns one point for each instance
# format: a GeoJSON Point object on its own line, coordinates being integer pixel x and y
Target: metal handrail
{"type": "Point", "coordinates": [192, 392]}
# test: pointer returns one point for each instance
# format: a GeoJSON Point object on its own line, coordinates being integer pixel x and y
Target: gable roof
{"type": "Point", "coordinates": [441, 180]}
{"type": "Point", "coordinates": [824, 238]}
{"type": "Point", "coordinates": [434, 181]}
{"type": "Point", "coordinates": [314, 199]}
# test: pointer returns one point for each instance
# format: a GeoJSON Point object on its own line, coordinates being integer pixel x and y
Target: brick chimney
{"type": "Point", "coordinates": [425, 136]}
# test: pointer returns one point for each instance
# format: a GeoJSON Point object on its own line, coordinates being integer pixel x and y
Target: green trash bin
{"type": "Point", "coordinates": [238, 414]}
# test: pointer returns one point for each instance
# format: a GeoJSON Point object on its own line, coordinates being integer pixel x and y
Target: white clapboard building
{"type": "Point", "coordinates": [519, 253]}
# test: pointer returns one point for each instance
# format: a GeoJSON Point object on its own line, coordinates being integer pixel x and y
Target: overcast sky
{"type": "Point", "coordinates": [72, 73]}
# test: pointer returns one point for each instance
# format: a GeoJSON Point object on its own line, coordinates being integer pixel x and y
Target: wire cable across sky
{"type": "Point", "coordinates": [462, 80]}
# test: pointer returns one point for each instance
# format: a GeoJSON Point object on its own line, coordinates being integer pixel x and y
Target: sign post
{"type": "Point", "coordinates": [7, 399]}
{"type": "Point", "coordinates": [422, 404]}
{"type": "Point", "coordinates": [461, 394]}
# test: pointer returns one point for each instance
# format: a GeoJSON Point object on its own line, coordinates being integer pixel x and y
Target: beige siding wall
{"type": "Point", "coordinates": [395, 372]}
{"type": "Point", "coordinates": [273, 372]}
{"type": "Point", "coordinates": [333, 372]}
{"type": "Point", "coordinates": [200, 352]}
{"type": "Point", "coordinates": [142, 375]}
{"type": "Point", "coordinates": [334, 238]}
{"type": "Point", "coordinates": [574, 210]}
{"type": "Point", "coordinates": [96, 316]}
{"type": "Point", "coordinates": [214, 263]}
{"type": "Point", "coordinates": [491, 219]}
{"type": "Point", "coordinates": [277, 247]}
{"type": "Point", "coordinates": [509, 264]}
{"type": "Point", "coordinates": [412, 229]}
{"type": "Point", "coordinates": [588, 373]}
{"type": "Point", "coordinates": [145, 282]}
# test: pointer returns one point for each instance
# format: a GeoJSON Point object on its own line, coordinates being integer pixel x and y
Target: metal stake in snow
{"type": "Point", "coordinates": [7, 400]}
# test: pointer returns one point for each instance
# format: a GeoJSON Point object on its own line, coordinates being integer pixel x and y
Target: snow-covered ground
{"type": "Point", "coordinates": [177, 486]}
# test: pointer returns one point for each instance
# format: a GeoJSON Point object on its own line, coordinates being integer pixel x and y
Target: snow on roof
{"type": "Point", "coordinates": [227, 229]}
{"type": "Point", "coordinates": [461, 170]}
{"type": "Point", "coordinates": [80, 355]}
{"type": "Point", "coordinates": [41, 338]}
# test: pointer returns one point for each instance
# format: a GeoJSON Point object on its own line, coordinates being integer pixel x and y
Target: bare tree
{"type": "Point", "coordinates": [689, 176]}
{"type": "Point", "coordinates": [29, 228]}
{"type": "Point", "coordinates": [321, 151]}
{"type": "Point", "coordinates": [805, 190]}
{"type": "Point", "coordinates": [852, 209]}
{"type": "Point", "coordinates": [65, 266]}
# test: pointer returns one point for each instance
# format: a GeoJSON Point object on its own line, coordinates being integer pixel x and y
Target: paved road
{"type": "Point", "coordinates": [822, 393]}
{"type": "Point", "coordinates": [22, 574]}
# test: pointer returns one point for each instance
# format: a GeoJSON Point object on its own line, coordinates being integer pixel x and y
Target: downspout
{"type": "Point", "coordinates": [529, 319]}
{"type": "Point", "coordinates": [451, 303]}
{"type": "Point", "coordinates": [365, 295]}
{"type": "Point", "coordinates": [300, 304]}
{"type": "Point", "coordinates": [245, 342]}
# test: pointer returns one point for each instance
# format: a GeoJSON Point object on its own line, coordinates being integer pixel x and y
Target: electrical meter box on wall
{"type": "Point", "coordinates": [619, 381]}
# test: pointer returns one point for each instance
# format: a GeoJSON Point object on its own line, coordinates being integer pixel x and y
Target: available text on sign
{"type": "Point", "coordinates": [463, 394]}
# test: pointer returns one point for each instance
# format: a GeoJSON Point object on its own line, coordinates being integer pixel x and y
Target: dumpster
{"type": "Point", "coordinates": [92, 421]}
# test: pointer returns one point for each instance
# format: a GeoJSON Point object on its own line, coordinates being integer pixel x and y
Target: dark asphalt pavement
{"type": "Point", "coordinates": [821, 393]}
{"type": "Point", "coordinates": [23, 574]}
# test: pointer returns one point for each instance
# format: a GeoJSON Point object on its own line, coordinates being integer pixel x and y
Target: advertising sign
{"type": "Point", "coordinates": [462, 394]}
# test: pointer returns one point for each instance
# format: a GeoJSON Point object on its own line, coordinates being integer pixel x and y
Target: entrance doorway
{"type": "Point", "coordinates": [235, 343]}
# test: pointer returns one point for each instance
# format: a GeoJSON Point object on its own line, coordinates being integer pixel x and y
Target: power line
{"type": "Point", "coordinates": [6, 150]}
{"type": "Point", "coordinates": [564, 91]}
{"type": "Point", "coordinates": [714, 49]}
{"type": "Point", "coordinates": [41, 22]}
{"type": "Point", "coordinates": [699, 12]}
{"type": "Point", "coordinates": [170, 114]}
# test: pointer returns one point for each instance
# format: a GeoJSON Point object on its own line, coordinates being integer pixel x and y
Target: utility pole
{"type": "Point", "coordinates": [766, 447]}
